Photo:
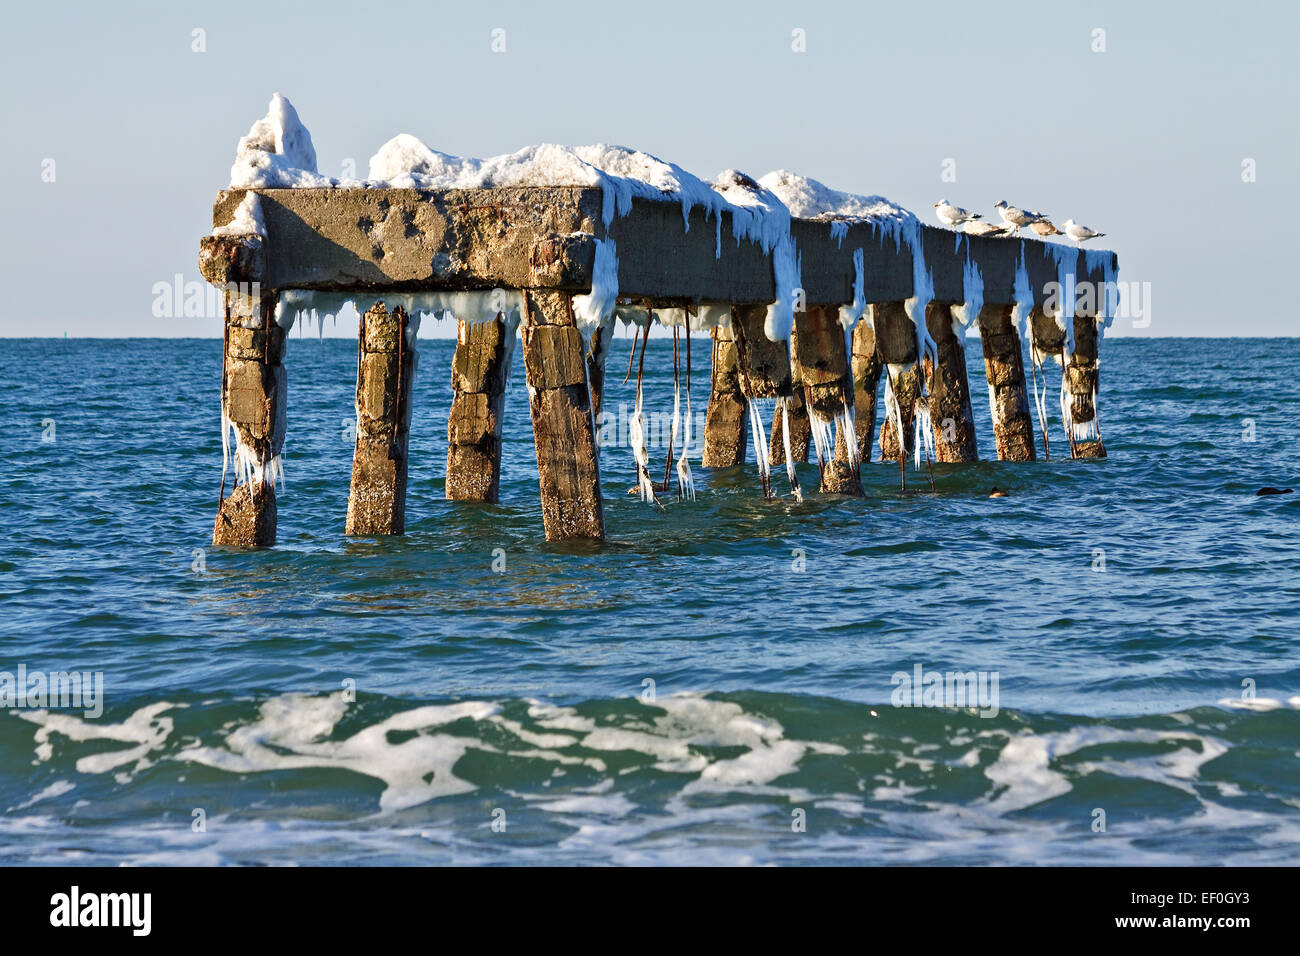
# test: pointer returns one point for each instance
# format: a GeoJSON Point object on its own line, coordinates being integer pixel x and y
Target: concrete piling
{"type": "Point", "coordinates": [1013, 426]}
{"type": "Point", "coordinates": [727, 420]}
{"type": "Point", "coordinates": [951, 416]}
{"type": "Point", "coordinates": [828, 388]}
{"type": "Point", "coordinates": [253, 392]}
{"type": "Point", "coordinates": [866, 384]}
{"type": "Point", "coordinates": [479, 371]}
{"type": "Point", "coordinates": [764, 365]}
{"type": "Point", "coordinates": [1046, 342]}
{"type": "Point", "coordinates": [568, 469]}
{"type": "Point", "coordinates": [386, 361]}
{"type": "Point", "coordinates": [1081, 385]}
{"type": "Point", "coordinates": [896, 346]}
{"type": "Point", "coordinates": [797, 411]}
{"type": "Point", "coordinates": [764, 372]}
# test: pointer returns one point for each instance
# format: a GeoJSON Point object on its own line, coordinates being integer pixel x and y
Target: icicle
{"type": "Point", "coordinates": [1066, 417]}
{"type": "Point", "coordinates": [1089, 430]}
{"type": "Point", "coordinates": [849, 314]}
{"type": "Point", "coordinates": [922, 296]}
{"type": "Point", "coordinates": [711, 315]}
{"type": "Point", "coordinates": [789, 452]}
{"type": "Point", "coordinates": [923, 435]}
{"type": "Point", "coordinates": [823, 436]}
{"type": "Point", "coordinates": [892, 408]}
{"type": "Point", "coordinates": [247, 466]}
{"type": "Point", "coordinates": [1023, 295]}
{"type": "Point", "coordinates": [225, 437]}
{"type": "Point", "coordinates": [967, 314]}
{"type": "Point", "coordinates": [685, 481]}
{"type": "Point", "coordinates": [850, 434]}
{"type": "Point", "coordinates": [595, 308]}
{"type": "Point", "coordinates": [636, 435]}
{"type": "Point", "coordinates": [1040, 398]}
{"type": "Point", "coordinates": [1067, 262]}
{"type": "Point", "coordinates": [787, 265]}
{"type": "Point", "coordinates": [677, 411]}
{"type": "Point", "coordinates": [761, 450]}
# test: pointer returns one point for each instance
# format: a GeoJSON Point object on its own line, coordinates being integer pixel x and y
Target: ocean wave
{"type": "Point", "coordinates": [735, 778]}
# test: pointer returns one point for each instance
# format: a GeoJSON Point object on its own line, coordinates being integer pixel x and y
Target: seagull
{"type": "Point", "coordinates": [951, 215]}
{"type": "Point", "coordinates": [1014, 216]}
{"type": "Point", "coordinates": [978, 228]}
{"type": "Point", "coordinates": [1079, 233]}
{"type": "Point", "coordinates": [1043, 227]}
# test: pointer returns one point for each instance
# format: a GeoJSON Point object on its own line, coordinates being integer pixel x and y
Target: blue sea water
{"type": "Point", "coordinates": [711, 686]}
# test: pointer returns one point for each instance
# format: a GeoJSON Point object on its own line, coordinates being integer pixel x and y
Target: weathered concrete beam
{"type": "Point", "coordinates": [232, 260]}
{"type": "Point", "coordinates": [660, 260]}
{"type": "Point", "coordinates": [951, 416]}
{"type": "Point", "coordinates": [568, 468]}
{"type": "Point", "coordinates": [399, 240]}
{"type": "Point", "coordinates": [1013, 427]}
{"type": "Point", "coordinates": [386, 361]}
{"type": "Point", "coordinates": [253, 389]}
{"type": "Point", "coordinates": [395, 240]}
{"type": "Point", "coordinates": [726, 422]}
{"type": "Point", "coordinates": [479, 370]}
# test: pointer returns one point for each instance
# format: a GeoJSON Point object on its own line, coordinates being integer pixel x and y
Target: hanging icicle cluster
{"type": "Point", "coordinates": [685, 480]}
{"type": "Point", "coordinates": [784, 405]}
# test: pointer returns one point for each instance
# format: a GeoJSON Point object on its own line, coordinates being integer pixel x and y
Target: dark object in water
{"type": "Point", "coordinates": [997, 492]}
{"type": "Point", "coordinates": [1273, 491]}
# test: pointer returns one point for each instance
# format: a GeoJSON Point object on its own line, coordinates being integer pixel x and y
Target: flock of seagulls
{"type": "Point", "coordinates": [1013, 220]}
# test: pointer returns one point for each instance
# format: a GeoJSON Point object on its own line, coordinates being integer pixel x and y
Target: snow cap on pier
{"type": "Point", "coordinates": [277, 152]}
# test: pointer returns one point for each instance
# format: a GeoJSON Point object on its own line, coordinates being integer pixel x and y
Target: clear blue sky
{"type": "Point", "coordinates": [1144, 141]}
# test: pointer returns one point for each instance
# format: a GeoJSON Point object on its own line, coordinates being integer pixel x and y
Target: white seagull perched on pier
{"type": "Point", "coordinates": [980, 228]}
{"type": "Point", "coordinates": [1079, 233]}
{"type": "Point", "coordinates": [951, 215]}
{"type": "Point", "coordinates": [1015, 216]}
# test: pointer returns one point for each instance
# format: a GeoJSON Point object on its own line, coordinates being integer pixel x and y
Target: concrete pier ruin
{"type": "Point", "coordinates": [876, 305]}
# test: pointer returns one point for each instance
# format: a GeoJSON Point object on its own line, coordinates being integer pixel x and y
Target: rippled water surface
{"type": "Point", "coordinates": [1140, 615]}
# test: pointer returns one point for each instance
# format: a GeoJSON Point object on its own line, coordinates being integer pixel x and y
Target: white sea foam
{"type": "Point", "coordinates": [147, 729]}
{"type": "Point", "coordinates": [291, 733]}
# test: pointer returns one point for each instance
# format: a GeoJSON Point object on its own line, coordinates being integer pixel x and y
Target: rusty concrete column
{"type": "Point", "coordinates": [1004, 367]}
{"type": "Point", "coordinates": [568, 470]}
{"type": "Point", "coordinates": [764, 365]}
{"type": "Point", "coordinates": [866, 383]}
{"type": "Point", "coordinates": [727, 419]}
{"type": "Point", "coordinates": [764, 371]}
{"type": "Point", "coordinates": [800, 428]}
{"type": "Point", "coordinates": [1081, 387]}
{"type": "Point", "coordinates": [386, 360]}
{"type": "Point", "coordinates": [896, 347]}
{"type": "Point", "coordinates": [951, 417]}
{"type": "Point", "coordinates": [828, 390]}
{"type": "Point", "coordinates": [478, 381]}
{"type": "Point", "coordinates": [253, 389]}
